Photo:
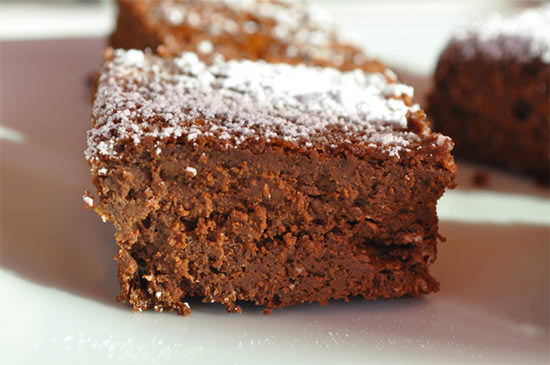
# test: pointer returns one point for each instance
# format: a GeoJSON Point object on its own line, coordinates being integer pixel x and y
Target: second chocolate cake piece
{"type": "Point", "coordinates": [273, 184]}
{"type": "Point", "coordinates": [492, 92]}
{"type": "Point", "coordinates": [282, 31]}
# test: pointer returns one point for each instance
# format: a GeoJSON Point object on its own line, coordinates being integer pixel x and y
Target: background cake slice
{"type": "Point", "coordinates": [492, 92]}
{"type": "Point", "coordinates": [267, 183]}
{"type": "Point", "coordinates": [273, 30]}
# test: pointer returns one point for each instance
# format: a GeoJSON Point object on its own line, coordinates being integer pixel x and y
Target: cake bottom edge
{"type": "Point", "coordinates": [161, 293]}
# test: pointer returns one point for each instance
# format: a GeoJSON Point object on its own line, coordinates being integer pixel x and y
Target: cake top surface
{"type": "Point", "coordinates": [303, 27]}
{"type": "Point", "coordinates": [290, 15]}
{"type": "Point", "coordinates": [141, 95]}
{"type": "Point", "coordinates": [523, 36]}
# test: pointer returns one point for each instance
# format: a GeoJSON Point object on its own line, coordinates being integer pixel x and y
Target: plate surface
{"type": "Point", "coordinates": [58, 278]}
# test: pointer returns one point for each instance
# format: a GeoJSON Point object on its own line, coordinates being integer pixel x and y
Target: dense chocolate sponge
{"type": "Point", "coordinates": [267, 183]}
{"type": "Point", "coordinates": [492, 92]}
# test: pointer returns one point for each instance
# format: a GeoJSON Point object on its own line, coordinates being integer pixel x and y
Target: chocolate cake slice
{"type": "Point", "coordinates": [266, 183]}
{"type": "Point", "coordinates": [492, 92]}
{"type": "Point", "coordinates": [285, 31]}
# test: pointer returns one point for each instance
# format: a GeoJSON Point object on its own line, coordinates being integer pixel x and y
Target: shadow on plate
{"type": "Point", "coordinates": [48, 237]}
{"type": "Point", "coordinates": [472, 176]}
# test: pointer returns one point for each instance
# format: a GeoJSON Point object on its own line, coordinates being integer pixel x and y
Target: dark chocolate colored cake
{"type": "Point", "coordinates": [492, 92]}
{"type": "Point", "coordinates": [267, 183]}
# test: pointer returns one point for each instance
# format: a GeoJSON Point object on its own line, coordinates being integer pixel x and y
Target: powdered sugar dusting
{"type": "Point", "coordinates": [133, 58]}
{"type": "Point", "coordinates": [295, 22]}
{"type": "Point", "coordinates": [88, 201]}
{"type": "Point", "coordinates": [205, 47]}
{"type": "Point", "coordinates": [191, 170]}
{"type": "Point", "coordinates": [238, 101]}
{"type": "Point", "coordinates": [523, 36]}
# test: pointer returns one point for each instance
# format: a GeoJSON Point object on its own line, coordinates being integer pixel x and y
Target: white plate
{"type": "Point", "coordinates": [57, 303]}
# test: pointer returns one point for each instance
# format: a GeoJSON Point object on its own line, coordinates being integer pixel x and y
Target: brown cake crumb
{"type": "Point", "coordinates": [267, 183]}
